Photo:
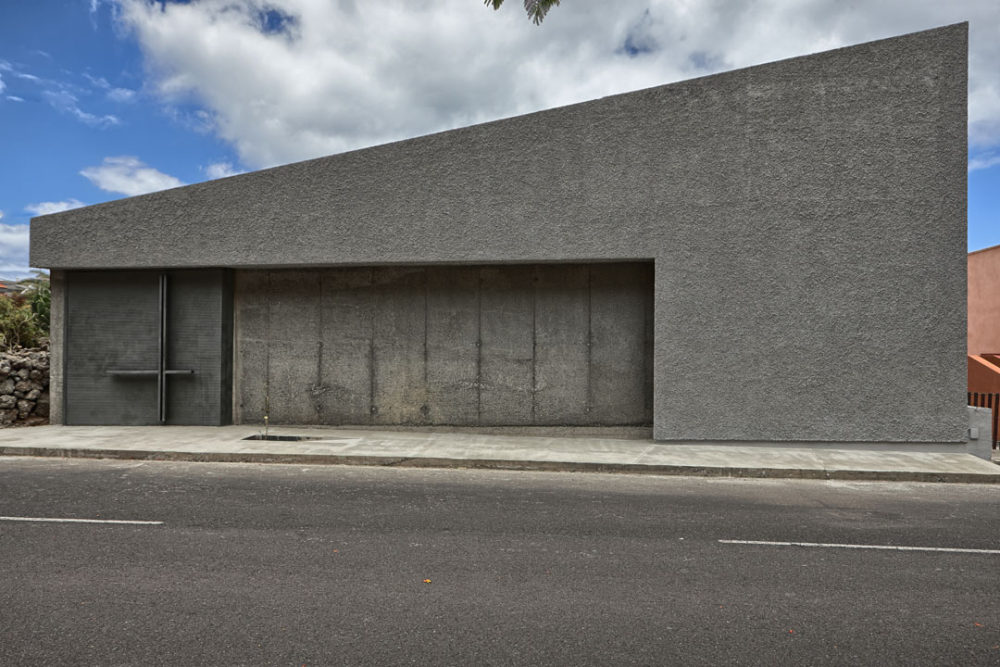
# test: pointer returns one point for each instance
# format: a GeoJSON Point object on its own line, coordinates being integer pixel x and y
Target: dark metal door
{"type": "Point", "coordinates": [147, 347]}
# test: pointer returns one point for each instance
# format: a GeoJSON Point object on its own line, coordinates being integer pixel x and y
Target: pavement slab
{"type": "Point", "coordinates": [429, 448]}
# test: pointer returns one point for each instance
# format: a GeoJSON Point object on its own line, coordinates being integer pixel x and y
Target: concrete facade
{"type": "Point", "coordinates": [805, 220]}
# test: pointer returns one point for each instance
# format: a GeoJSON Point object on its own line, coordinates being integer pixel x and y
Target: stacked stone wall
{"type": "Point", "coordinates": [24, 386]}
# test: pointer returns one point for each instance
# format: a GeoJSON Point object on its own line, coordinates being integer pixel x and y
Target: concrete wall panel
{"type": "Point", "coordinates": [250, 304]}
{"type": "Point", "coordinates": [293, 353]}
{"type": "Point", "coordinates": [347, 328]}
{"type": "Point", "coordinates": [507, 318]}
{"type": "Point", "coordinates": [453, 347]}
{"type": "Point", "coordinates": [57, 347]}
{"type": "Point", "coordinates": [562, 345]}
{"type": "Point", "coordinates": [620, 315]}
{"type": "Point", "coordinates": [477, 345]}
{"type": "Point", "coordinates": [400, 361]}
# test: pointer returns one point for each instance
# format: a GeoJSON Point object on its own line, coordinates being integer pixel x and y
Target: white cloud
{"type": "Point", "coordinates": [128, 176]}
{"type": "Point", "coordinates": [14, 250]}
{"type": "Point", "coordinates": [3, 86]}
{"type": "Point", "coordinates": [61, 96]}
{"type": "Point", "coordinates": [1, 215]}
{"type": "Point", "coordinates": [121, 95]}
{"type": "Point", "coordinates": [47, 207]}
{"type": "Point", "coordinates": [97, 81]}
{"type": "Point", "coordinates": [221, 170]}
{"type": "Point", "coordinates": [286, 80]}
{"type": "Point", "coordinates": [114, 93]}
{"type": "Point", "coordinates": [66, 101]}
{"type": "Point", "coordinates": [984, 161]}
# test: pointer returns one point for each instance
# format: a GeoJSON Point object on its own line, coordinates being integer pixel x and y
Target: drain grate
{"type": "Point", "coordinates": [281, 438]}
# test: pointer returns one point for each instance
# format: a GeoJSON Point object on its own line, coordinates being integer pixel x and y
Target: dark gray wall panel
{"type": "Point", "coordinates": [806, 219]}
{"type": "Point", "coordinates": [112, 324]}
{"type": "Point", "coordinates": [200, 338]}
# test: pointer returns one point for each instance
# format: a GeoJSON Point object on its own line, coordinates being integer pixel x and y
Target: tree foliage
{"type": "Point", "coordinates": [537, 9]}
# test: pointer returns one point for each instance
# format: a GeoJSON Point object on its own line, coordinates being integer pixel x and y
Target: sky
{"type": "Point", "coordinates": [103, 99]}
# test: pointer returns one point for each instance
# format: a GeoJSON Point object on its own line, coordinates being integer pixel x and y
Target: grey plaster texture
{"type": "Point", "coordinates": [57, 332]}
{"type": "Point", "coordinates": [806, 219]}
{"type": "Point", "coordinates": [556, 345]}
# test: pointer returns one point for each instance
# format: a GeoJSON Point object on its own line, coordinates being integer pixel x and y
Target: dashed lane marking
{"type": "Point", "coordinates": [59, 520]}
{"type": "Point", "coordinates": [884, 547]}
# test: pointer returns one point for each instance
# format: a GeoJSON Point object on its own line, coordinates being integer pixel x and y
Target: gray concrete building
{"type": "Point", "coordinates": [775, 253]}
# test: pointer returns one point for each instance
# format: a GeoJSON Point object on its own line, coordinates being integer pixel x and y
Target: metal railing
{"type": "Point", "coordinates": [980, 399]}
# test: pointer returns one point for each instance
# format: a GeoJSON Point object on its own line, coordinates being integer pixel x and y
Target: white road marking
{"type": "Point", "coordinates": [55, 520]}
{"type": "Point", "coordinates": [885, 547]}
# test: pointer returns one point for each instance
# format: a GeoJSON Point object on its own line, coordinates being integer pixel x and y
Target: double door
{"type": "Point", "coordinates": [148, 347]}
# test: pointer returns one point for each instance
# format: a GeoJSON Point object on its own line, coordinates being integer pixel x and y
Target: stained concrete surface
{"type": "Point", "coordinates": [932, 463]}
{"type": "Point", "coordinates": [553, 345]}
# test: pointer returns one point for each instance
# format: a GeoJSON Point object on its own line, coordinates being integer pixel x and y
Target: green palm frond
{"type": "Point", "coordinates": [536, 9]}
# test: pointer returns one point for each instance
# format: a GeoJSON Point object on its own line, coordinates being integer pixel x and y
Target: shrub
{"type": "Point", "coordinates": [38, 295]}
{"type": "Point", "coordinates": [19, 325]}
{"type": "Point", "coordinates": [24, 315]}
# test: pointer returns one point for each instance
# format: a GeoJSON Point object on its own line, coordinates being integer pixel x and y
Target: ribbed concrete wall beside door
{"type": "Point", "coordinates": [552, 345]}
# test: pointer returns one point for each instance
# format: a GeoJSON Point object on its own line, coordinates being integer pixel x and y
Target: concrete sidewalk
{"type": "Point", "coordinates": [925, 463]}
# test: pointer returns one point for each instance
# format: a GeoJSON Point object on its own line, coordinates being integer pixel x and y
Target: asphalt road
{"type": "Point", "coordinates": [292, 565]}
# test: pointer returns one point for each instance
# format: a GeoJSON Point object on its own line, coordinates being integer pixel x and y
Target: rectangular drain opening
{"type": "Point", "coordinates": [281, 438]}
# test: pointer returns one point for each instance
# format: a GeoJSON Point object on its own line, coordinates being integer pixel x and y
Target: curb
{"type": "Point", "coordinates": [504, 464]}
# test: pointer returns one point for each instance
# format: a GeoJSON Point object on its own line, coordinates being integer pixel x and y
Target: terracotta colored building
{"type": "Point", "coordinates": [984, 320]}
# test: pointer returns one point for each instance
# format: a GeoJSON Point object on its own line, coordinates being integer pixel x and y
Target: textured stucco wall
{"type": "Point", "coordinates": [806, 219]}
{"type": "Point", "coordinates": [984, 301]}
{"type": "Point", "coordinates": [57, 332]}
